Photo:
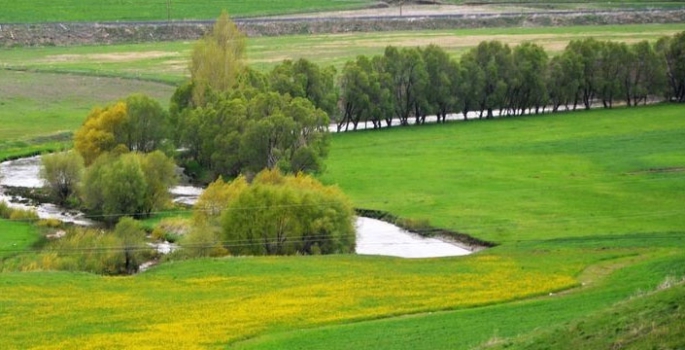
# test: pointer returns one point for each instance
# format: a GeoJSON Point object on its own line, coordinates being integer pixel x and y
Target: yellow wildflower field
{"type": "Point", "coordinates": [211, 303]}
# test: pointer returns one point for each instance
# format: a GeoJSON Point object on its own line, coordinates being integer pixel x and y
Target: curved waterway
{"type": "Point", "coordinates": [374, 237]}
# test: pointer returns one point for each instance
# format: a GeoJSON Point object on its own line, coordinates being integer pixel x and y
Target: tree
{"type": "Point", "coordinates": [493, 66]}
{"type": "Point", "coordinates": [137, 123]}
{"type": "Point", "coordinates": [563, 84]}
{"type": "Point", "coordinates": [124, 189]}
{"type": "Point", "coordinates": [217, 59]}
{"type": "Point", "coordinates": [528, 85]}
{"type": "Point", "coordinates": [147, 124]}
{"type": "Point", "coordinates": [672, 51]}
{"type": "Point", "coordinates": [646, 75]}
{"type": "Point", "coordinates": [442, 87]}
{"type": "Point", "coordinates": [62, 172]}
{"type": "Point", "coordinates": [102, 131]}
{"type": "Point", "coordinates": [406, 69]}
{"type": "Point", "coordinates": [132, 238]}
{"type": "Point", "coordinates": [132, 184]}
{"type": "Point", "coordinates": [215, 199]}
{"type": "Point", "coordinates": [282, 215]}
{"type": "Point", "coordinates": [303, 78]}
{"type": "Point", "coordinates": [588, 52]}
{"type": "Point", "coordinates": [472, 84]}
{"type": "Point", "coordinates": [160, 175]}
{"type": "Point", "coordinates": [613, 71]}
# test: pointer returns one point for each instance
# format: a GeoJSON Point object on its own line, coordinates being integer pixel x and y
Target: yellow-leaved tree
{"type": "Point", "coordinates": [99, 132]}
{"type": "Point", "coordinates": [217, 59]}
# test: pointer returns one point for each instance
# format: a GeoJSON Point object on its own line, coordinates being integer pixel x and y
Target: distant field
{"type": "Point", "coordinates": [167, 61]}
{"type": "Point", "coordinates": [162, 10]}
{"type": "Point", "coordinates": [40, 102]}
{"type": "Point", "coordinates": [157, 10]}
{"type": "Point", "coordinates": [35, 107]}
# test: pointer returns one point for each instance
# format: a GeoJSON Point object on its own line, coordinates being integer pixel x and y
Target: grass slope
{"type": "Point", "coordinates": [632, 243]}
{"type": "Point", "coordinates": [599, 172]}
{"type": "Point", "coordinates": [653, 320]}
{"type": "Point", "coordinates": [156, 10]}
{"type": "Point", "coordinates": [605, 286]}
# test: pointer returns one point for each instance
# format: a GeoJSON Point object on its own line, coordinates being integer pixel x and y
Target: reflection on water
{"type": "Point", "coordinates": [374, 237]}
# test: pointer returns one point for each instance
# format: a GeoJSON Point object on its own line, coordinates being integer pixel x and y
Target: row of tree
{"type": "Point", "coordinates": [418, 82]}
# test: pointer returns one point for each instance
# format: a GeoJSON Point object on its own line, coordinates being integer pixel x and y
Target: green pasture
{"type": "Point", "coordinates": [15, 237]}
{"type": "Point", "coordinates": [168, 61]}
{"type": "Point", "coordinates": [523, 324]}
{"type": "Point", "coordinates": [157, 10]}
{"type": "Point", "coordinates": [587, 207]}
{"type": "Point", "coordinates": [39, 111]}
{"type": "Point", "coordinates": [315, 302]}
{"type": "Point", "coordinates": [178, 10]}
{"type": "Point", "coordinates": [599, 172]}
{"type": "Point", "coordinates": [49, 90]}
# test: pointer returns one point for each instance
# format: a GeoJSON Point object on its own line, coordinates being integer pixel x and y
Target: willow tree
{"type": "Point", "coordinates": [217, 59]}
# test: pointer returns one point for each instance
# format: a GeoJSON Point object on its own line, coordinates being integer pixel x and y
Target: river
{"type": "Point", "coordinates": [374, 237]}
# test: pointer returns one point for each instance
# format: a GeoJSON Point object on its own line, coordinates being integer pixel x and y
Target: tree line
{"type": "Point", "coordinates": [493, 77]}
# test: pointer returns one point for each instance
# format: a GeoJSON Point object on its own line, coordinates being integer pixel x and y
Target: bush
{"type": "Point", "coordinates": [287, 215]}
{"type": "Point", "coordinates": [23, 215]}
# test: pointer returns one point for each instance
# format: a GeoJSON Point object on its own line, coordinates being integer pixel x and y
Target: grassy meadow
{"type": "Point", "coordinates": [157, 10]}
{"type": "Point", "coordinates": [601, 172]}
{"type": "Point", "coordinates": [586, 206]}
{"type": "Point", "coordinates": [587, 209]}
{"type": "Point", "coordinates": [167, 61]}
{"type": "Point", "coordinates": [46, 91]}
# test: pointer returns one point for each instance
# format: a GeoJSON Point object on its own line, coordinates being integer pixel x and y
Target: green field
{"type": "Point", "coordinates": [162, 10]}
{"type": "Point", "coordinates": [167, 61]}
{"type": "Point", "coordinates": [41, 100]}
{"type": "Point", "coordinates": [601, 172]}
{"type": "Point", "coordinates": [157, 10]}
{"type": "Point", "coordinates": [590, 201]}
{"type": "Point", "coordinates": [586, 208]}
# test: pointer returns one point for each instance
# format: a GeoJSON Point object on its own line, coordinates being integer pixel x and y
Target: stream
{"type": "Point", "coordinates": [374, 237]}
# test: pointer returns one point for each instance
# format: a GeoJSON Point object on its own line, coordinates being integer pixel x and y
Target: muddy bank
{"type": "Point", "coordinates": [62, 34]}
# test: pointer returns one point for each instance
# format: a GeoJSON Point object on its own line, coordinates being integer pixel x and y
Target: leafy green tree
{"type": "Point", "coordinates": [217, 59]}
{"type": "Point", "coordinates": [588, 51]}
{"type": "Point", "coordinates": [493, 62]}
{"type": "Point", "coordinates": [132, 238]}
{"type": "Point", "coordinates": [364, 93]}
{"type": "Point", "coordinates": [147, 124]}
{"type": "Point", "coordinates": [62, 172]}
{"type": "Point", "coordinates": [215, 199]}
{"type": "Point", "coordinates": [160, 175]}
{"type": "Point", "coordinates": [672, 51]}
{"type": "Point", "coordinates": [124, 188]}
{"type": "Point", "coordinates": [281, 215]}
{"type": "Point", "coordinates": [646, 74]}
{"type": "Point", "coordinates": [528, 85]}
{"type": "Point", "coordinates": [442, 88]}
{"type": "Point", "coordinates": [408, 78]}
{"type": "Point", "coordinates": [472, 83]}
{"type": "Point", "coordinates": [132, 184]}
{"type": "Point", "coordinates": [613, 71]}
{"type": "Point", "coordinates": [303, 78]}
{"type": "Point", "coordinates": [563, 84]}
